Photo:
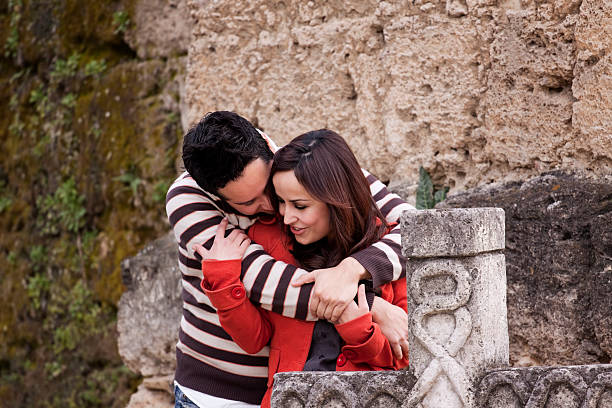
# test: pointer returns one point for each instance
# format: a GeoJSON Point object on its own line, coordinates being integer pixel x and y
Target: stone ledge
{"type": "Point", "coordinates": [342, 389]}
{"type": "Point", "coordinates": [585, 386]}
{"type": "Point", "coordinates": [456, 232]}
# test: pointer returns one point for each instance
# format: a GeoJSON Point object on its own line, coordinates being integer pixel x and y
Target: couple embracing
{"type": "Point", "coordinates": [274, 246]}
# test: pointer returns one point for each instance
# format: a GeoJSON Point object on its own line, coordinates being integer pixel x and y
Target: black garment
{"type": "Point", "coordinates": [327, 343]}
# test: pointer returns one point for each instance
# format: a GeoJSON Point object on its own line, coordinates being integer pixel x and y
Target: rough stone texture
{"type": "Point", "coordinates": [587, 386]}
{"type": "Point", "coordinates": [359, 389]}
{"type": "Point", "coordinates": [150, 309]}
{"type": "Point", "coordinates": [559, 266]}
{"type": "Point", "coordinates": [148, 398]}
{"type": "Point", "coordinates": [475, 91]}
{"type": "Point", "coordinates": [159, 28]}
{"type": "Point", "coordinates": [462, 232]}
{"type": "Point", "coordinates": [456, 303]}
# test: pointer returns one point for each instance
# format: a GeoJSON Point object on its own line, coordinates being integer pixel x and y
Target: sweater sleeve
{"type": "Point", "coordinates": [383, 259]}
{"type": "Point", "coordinates": [194, 216]}
{"type": "Point", "coordinates": [366, 344]}
{"type": "Point", "coordinates": [246, 324]}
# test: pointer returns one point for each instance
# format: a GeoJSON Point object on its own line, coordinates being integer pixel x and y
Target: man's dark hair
{"type": "Point", "coordinates": [219, 147]}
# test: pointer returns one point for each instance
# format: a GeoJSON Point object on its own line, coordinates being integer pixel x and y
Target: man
{"type": "Point", "coordinates": [228, 163]}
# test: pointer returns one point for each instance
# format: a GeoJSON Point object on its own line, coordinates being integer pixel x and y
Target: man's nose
{"type": "Point", "coordinates": [266, 205]}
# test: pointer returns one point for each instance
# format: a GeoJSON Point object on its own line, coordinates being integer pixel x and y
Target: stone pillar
{"type": "Point", "coordinates": [456, 302]}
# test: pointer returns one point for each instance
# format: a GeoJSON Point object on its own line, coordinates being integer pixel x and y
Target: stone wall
{"type": "Point", "coordinates": [474, 91]}
{"type": "Point", "coordinates": [559, 266]}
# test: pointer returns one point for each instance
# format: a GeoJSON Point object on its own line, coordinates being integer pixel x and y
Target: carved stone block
{"type": "Point", "coordinates": [456, 303]}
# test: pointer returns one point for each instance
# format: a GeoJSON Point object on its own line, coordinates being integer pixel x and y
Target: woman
{"type": "Point", "coordinates": [328, 214]}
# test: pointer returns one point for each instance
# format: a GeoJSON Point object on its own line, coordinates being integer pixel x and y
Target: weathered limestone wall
{"type": "Point", "coordinates": [475, 91]}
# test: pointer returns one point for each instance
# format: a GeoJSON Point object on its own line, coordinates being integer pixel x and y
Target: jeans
{"type": "Point", "coordinates": [181, 400]}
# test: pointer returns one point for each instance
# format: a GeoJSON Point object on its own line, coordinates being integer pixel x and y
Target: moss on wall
{"type": "Point", "coordinates": [88, 149]}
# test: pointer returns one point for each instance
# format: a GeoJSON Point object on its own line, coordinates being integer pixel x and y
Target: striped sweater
{"type": "Point", "coordinates": [207, 359]}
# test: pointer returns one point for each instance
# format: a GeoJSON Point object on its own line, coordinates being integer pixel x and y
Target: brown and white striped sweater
{"type": "Point", "coordinates": [207, 359]}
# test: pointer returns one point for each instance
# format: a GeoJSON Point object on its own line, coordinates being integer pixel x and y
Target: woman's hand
{"type": "Point", "coordinates": [225, 248]}
{"type": "Point", "coordinates": [393, 322]}
{"type": "Point", "coordinates": [355, 310]}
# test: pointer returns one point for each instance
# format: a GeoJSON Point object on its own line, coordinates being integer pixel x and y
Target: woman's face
{"type": "Point", "coordinates": [307, 217]}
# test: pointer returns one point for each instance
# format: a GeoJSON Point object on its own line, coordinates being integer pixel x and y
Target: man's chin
{"type": "Point", "coordinates": [264, 216]}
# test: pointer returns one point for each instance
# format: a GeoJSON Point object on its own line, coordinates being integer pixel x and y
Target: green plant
{"type": "Point", "coordinates": [159, 190]}
{"type": "Point", "coordinates": [62, 209]}
{"type": "Point", "coordinates": [53, 369]}
{"type": "Point", "coordinates": [37, 287]}
{"type": "Point", "coordinates": [65, 338]}
{"type": "Point", "coordinates": [64, 69]}
{"type": "Point", "coordinates": [75, 315]}
{"type": "Point", "coordinates": [13, 102]}
{"type": "Point", "coordinates": [40, 98]}
{"type": "Point", "coordinates": [95, 67]}
{"type": "Point", "coordinates": [12, 257]}
{"type": "Point", "coordinates": [38, 257]}
{"type": "Point", "coordinates": [41, 145]}
{"type": "Point", "coordinates": [121, 21]}
{"type": "Point", "coordinates": [17, 126]}
{"type": "Point", "coordinates": [425, 196]}
{"type": "Point", "coordinates": [12, 41]}
{"type": "Point", "coordinates": [5, 202]}
{"type": "Point", "coordinates": [95, 131]}
{"type": "Point", "coordinates": [19, 74]}
{"type": "Point", "coordinates": [69, 100]}
{"type": "Point", "coordinates": [130, 180]}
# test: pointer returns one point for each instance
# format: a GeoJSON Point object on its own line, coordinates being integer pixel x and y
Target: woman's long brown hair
{"type": "Point", "coordinates": [326, 167]}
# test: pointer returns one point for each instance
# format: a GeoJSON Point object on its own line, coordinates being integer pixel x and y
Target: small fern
{"type": "Point", "coordinates": [426, 195]}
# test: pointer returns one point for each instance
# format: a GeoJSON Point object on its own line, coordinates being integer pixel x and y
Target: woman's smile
{"type": "Point", "coordinates": [296, 230]}
{"type": "Point", "coordinates": [307, 217]}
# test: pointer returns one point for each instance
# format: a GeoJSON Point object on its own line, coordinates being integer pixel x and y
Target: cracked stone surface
{"type": "Point", "coordinates": [475, 91]}
{"type": "Point", "coordinates": [559, 266]}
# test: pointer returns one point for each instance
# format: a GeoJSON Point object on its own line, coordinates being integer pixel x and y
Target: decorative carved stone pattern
{"type": "Point", "coordinates": [443, 361]}
{"type": "Point", "coordinates": [456, 302]}
{"type": "Point", "coordinates": [351, 390]}
{"type": "Point", "coordinates": [539, 387]}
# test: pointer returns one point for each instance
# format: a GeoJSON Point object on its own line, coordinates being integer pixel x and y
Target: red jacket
{"type": "Point", "coordinates": [252, 328]}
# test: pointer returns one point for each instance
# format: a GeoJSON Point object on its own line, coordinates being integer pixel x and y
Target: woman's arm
{"type": "Point", "coordinates": [365, 342]}
{"type": "Point", "coordinates": [245, 323]}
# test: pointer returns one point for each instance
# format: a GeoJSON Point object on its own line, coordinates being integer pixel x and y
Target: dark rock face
{"type": "Point", "coordinates": [559, 266]}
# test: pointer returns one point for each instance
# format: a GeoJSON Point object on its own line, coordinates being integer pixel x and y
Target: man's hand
{"type": "Point", "coordinates": [333, 288]}
{"type": "Point", "coordinates": [225, 248]}
{"type": "Point", "coordinates": [393, 322]}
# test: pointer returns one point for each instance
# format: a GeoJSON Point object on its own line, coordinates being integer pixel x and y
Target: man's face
{"type": "Point", "coordinates": [247, 194]}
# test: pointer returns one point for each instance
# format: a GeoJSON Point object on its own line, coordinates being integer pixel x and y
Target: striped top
{"type": "Point", "coordinates": [207, 359]}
